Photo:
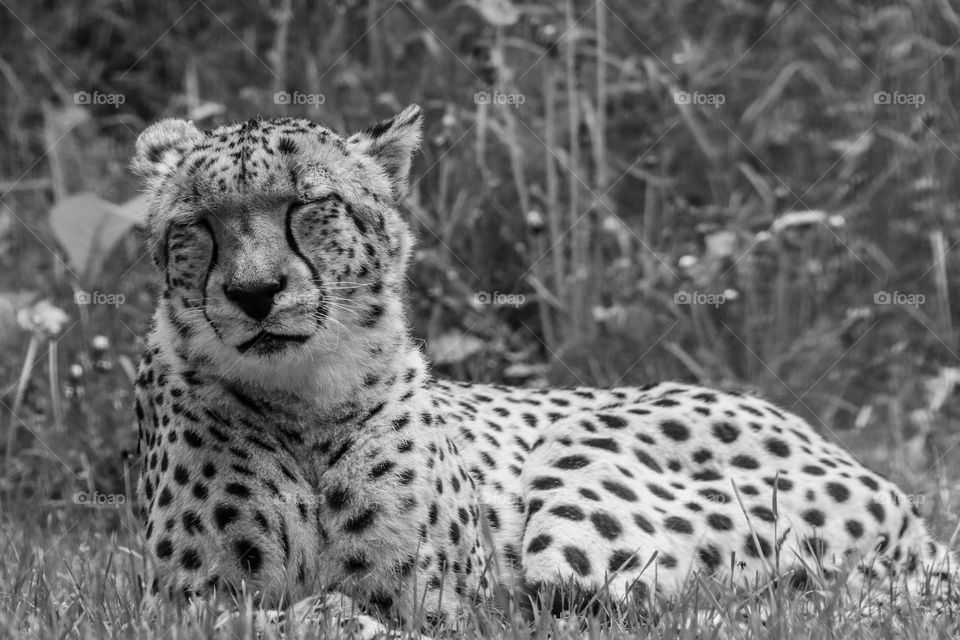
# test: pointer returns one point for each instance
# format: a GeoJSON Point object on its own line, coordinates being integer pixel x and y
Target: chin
{"type": "Point", "coordinates": [268, 345]}
{"type": "Point", "coordinates": [269, 363]}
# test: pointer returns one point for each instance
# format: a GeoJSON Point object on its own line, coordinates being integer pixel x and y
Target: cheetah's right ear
{"type": "Point", "coordinates": [161, 146]}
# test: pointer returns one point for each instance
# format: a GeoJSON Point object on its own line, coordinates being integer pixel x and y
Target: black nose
{"type": "Point", "coordinates": [255, 299]}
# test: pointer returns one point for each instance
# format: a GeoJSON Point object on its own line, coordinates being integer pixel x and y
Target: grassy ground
{"type": "Point", "coordinates": [78, 577]}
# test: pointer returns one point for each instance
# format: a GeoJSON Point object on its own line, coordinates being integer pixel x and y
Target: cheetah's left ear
{"type": "Point", "coordinates": [392, 144]}
{"type": "Point", "coordinates": [162, 145]}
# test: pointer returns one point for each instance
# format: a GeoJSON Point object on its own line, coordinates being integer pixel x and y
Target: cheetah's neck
{"type": "Point", "coordinates": [350, 381]}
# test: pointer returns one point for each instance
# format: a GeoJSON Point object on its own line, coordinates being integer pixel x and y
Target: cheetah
{"type": "Point", "coordinates": [294, 443]}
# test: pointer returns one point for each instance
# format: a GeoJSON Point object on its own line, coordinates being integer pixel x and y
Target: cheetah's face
{"type": "Point", "coordinates": [278, 239]}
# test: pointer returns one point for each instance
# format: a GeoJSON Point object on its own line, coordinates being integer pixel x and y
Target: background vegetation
{"type": "Point", "coordinates": [610, 192]}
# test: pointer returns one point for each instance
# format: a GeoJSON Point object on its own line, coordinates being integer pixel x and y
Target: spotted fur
{"type": "Point", "coordinates": [292, 435]}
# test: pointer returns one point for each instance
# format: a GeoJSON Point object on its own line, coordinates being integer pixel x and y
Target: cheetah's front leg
{"type": "Point", "coordinates": [221, 517]}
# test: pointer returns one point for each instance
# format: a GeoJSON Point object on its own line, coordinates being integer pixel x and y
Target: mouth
{"type": "Point", "coordinates": [265, 343]}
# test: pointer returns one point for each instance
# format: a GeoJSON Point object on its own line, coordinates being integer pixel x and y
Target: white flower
{"type": "Point", "coordinates": [687, 262]}
{"type": "Point", "coordinates": [43, 317]}
{"type": "Point", "coordinates": [535, 219]}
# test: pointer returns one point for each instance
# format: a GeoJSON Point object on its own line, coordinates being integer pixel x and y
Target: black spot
{"type": "Point", "coordinates": [572, 462]}
{"type": "Point", "coordinates": [287, 146]}
{"type": "Point", "coordinates": [454, 533]}
{"type": "Point", "coordinates": [544, 483]}
{"type": "Point", "coordinates": [667, 561]}
{"type": "Point", "coordinates": [613, 422]}
{"type": "Point", "coordinates": [164, 498]}
{"type": "Point", "coordinates": [589, 494]}
{"type": "Point", "coordinates": [337, 498]}
{"type": "Point", "coordinates": [719, 522]}
{"type": "Point", "coordinates": [621, 491]}
{"type": "Point", "coordinates": [249, 555]}
{"type": "Point", "coordinates": [361, 521]}
{"type": "Point", "coordinates": [209, 470]}
{"type": "Point", "coordinates": [577, 560]}
{"type": "Point", "coordinates": [223, 515]}
{"type": "Point", "coordinates": [660, 492]}
{"type": "Point", "coordinates": [678, 524]}
{"type": "Point", "coordinates": [675, 430]}
{"type": "Point", "coordinates": [725, 432]}
{"type": "Point", "coordinates": [200, 491]}
{"type": "Point", "coordinates": [192, 523]}
{"type": "Point", "coordinates": [608, 444]}
{"type": "Point", "coordinates": [814, 517]}
{"type": "Point", "coordinates": [701, 455]}
{"type": "Point", "coordinates": [814, 545]}
{"type": "Point", "coordinates": [813, 470]}
{"type": "Point", "coordinates": [192, 438]}
{"type": "Point", "coordinates": [782, 483]}
{"type": "Point", "coordinates": [381, 468]}
{"type": "Point", "coordinates": [339, 453]}
{"type": "Point", "coordinates": [190, 560]}
{"type": "Point", "coordinates": [241, 491]}
{"type": "Point", "coordinates": [744, 462]}
{"type": "Point", "coordinates": [622, 560]}
{"type": "Point", "coordinates": [645, 459]}
{"type": "Point", "coordinates": [707, 475]}
{"type": "Point", "coordinates": [777, 447]}
{"type": "Point", "coordinates": [710, 557]}
{"type": "Point", "coordinates": [539, 543]}
{"type": "Point", "coordinates": [837, 491]}
{"type": "Point", "coordinates": [876, 510]}
{"type": "Point", "coordinates": [606, 525]}
{"type": "Point", "coordinates": [869, 482]}
{"type": "Point", "coordinates": [356, 563]}
{"type": "Point", "coordinates": [763, 513]}
{"type": "Point", "coordinates": [751, 546]}
{"type": "Point", "coordinates": [568, 512]}
{"type": "Point", "coordinates": [164, 549]}
{"type": "Point", "coordinates": [180, 475]}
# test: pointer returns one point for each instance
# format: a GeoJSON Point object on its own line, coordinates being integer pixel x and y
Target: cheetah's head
{"type": "Point", "coordinates": [280, 241]}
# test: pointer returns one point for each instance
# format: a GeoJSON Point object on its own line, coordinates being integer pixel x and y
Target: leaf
{"type": "Point", "coordinates": [452, 347]}
{"type": "Point", "coordinates": [88, 227]}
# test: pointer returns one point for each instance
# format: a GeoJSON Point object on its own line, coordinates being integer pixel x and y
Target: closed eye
{"type": "Point", "coordinates": [312, 202]}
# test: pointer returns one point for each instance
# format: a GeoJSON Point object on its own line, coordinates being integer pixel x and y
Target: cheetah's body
{"type": "Point", "coordinates": [297, 438]}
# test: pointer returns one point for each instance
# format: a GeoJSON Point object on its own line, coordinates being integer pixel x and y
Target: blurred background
{"type": "Point", "coordinates": [745, 194]}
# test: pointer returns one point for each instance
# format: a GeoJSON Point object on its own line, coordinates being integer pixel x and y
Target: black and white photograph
{"type": "Point", "coordinates": [388, 319]}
